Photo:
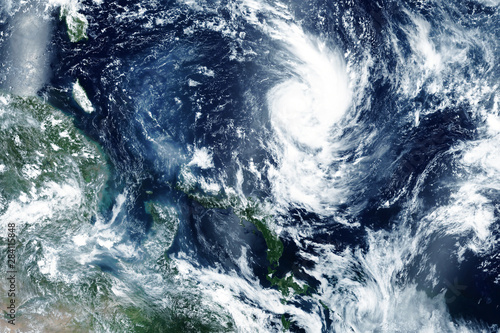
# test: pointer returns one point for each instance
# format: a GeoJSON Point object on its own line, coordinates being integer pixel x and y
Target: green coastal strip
{"type": "Point", "coordinates": [249, 210]}
{"type": "Point", "coordinates": [285, 284]}
{"type": "Point", "coordinates": [252, 213]}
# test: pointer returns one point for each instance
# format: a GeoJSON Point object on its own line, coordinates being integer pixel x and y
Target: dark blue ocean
{"type": "Point", "coordinates": [366, 133]}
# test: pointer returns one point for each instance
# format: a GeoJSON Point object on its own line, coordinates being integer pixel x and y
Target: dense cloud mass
{"type": "Point", "coordinates": [250, 166]}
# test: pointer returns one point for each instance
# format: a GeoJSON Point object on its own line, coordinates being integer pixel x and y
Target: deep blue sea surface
{"type": "Point", "coordinates": [364, 135]}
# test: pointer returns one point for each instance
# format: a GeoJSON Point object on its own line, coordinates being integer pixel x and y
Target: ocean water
{"type": "Point", "coordinates": [252, 165]}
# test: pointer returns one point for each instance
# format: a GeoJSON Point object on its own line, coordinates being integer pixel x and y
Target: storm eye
{"type": "Point", "coordinates": [249, 165]}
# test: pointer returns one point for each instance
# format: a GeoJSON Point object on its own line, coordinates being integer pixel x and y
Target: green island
{"type": "Point", "coordinates": [162, 234]}
{"type": "Point", "coordinates": [285, 322]}
{"type": "Point", "coordinates": [76, 24]}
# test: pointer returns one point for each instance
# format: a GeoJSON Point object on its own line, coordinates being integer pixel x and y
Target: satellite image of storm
{"type": "Point", "coordinates": [178, 166]}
